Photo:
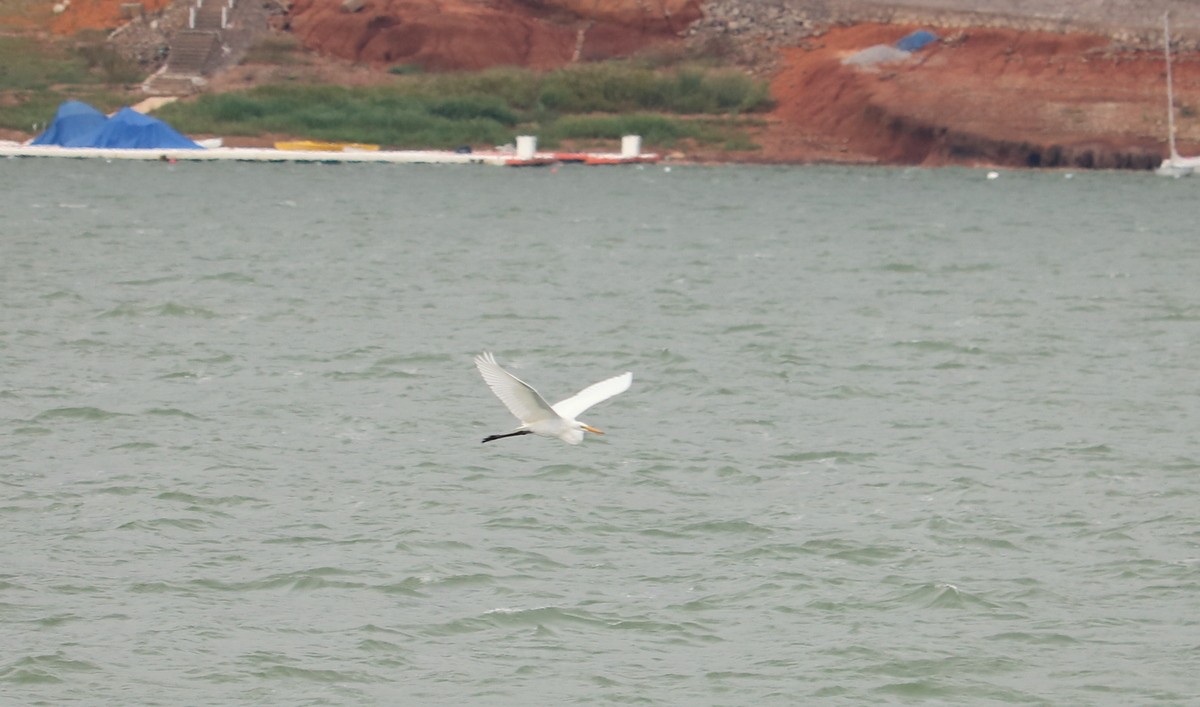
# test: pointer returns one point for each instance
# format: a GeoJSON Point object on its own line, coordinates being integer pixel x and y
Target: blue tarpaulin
{"type": "Point", "coordinates": [130, 129]}
{"type": "Point", "coordinates": [74, 125]}
{"type": "Point", "coordinates": [80, 125]}
{"type": "Point", "coordinates": [916, 40]}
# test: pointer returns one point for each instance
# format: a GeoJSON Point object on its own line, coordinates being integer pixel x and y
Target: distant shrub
{"type": "Point", "coordinates": [654, 129]}
{"type": "Point", "coordinates": [280, 49]}
{"type": "Point", "coordinates": [234, 108]}
{"type": "Point", "coordinates": [468, 107]}
{"type": "Point", "coordinates": [518, 88]}
{"type": "Point", "coordinates": [406, 69]}
{"type": "Point", "coordinates": [623, 87]}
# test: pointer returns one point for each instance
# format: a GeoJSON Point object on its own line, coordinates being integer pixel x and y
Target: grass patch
{"type": "Point", "coordinates": [368, 115]}
{"type": "Point", "coordinates": [610, 87]}
{"type": "Point", "coordinates": [279, 49]}
{"type": "Point", "coordinates": [518, 88]}
{"type": "Point", "coordinates": [598, 102]}
{"type": "Point", "coordinates": [36, 75]}
{"type": "Point", "coordinates": [87, 60]}
{"type": "Point", "coordinates": [28, 65]}
{"type": "Point", "coordinates": [406, 69]}
{"type": "Point", "coordinates": [656, 129]}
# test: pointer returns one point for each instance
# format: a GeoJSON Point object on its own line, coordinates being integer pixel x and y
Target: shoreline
{"type": "Point", "coordinates": [978, 97]}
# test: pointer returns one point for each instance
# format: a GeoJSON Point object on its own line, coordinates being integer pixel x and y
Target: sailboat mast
{"type": "Point", "coordinates": [1170, 86]}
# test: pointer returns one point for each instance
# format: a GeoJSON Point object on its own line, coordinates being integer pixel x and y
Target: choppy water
{"type": "Point", "coordinates": [894, 436]}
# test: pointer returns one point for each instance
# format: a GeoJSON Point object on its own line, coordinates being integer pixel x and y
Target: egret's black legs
{"type": "Point", "coordinates": [518, 433]}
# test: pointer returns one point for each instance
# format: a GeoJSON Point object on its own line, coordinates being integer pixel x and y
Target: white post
{"type": "Point", "coordinates": [631, 145]}
{"type": "Point", "coordinates": [224, 16]}
{"type": "Point", "coordinates": [191, 18]}
{"type": "Point", "coordinates": [526, 146]}
{"type": "Point", "coordinates": [1170, 88]}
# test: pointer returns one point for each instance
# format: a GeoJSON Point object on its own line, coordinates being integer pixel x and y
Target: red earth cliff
{"type": "Point", "coordinates": [458, 34]}
{"type": "Point", "coordinates": [989, 96]}
{"type": "Point", "coordinates": [96, 14]}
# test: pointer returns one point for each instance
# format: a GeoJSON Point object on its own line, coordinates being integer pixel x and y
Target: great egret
{"type": "Point", "coordinates": [536, 415]}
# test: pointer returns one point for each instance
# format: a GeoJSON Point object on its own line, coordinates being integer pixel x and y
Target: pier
{"type": "Point", "coordinates": [525, 155]}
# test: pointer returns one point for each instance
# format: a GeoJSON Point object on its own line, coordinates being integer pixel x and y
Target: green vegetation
{"type": "Point", "coordinates": [368, 115]}
{"type": "Point", "coordinates": [36, 76]}
{"type": "Point", "coordinates": [278, 49]}
{"type": "Point", "coordinates": [609, 87]}
{"type": "Point", "coordinates": [27, 65]}
{"type": "Point", "coordinates": [612, 88]}
{"type": "Point", "coordinates": [406, 69]}
{"type": "Point", "coordinates": [666, 98]}
{"type": "Point", "coordinates": [589, 102]}
{"type": "Point", "coordinates": [655, 129]}
{"type": "Point", "coordinates": [88, 60]}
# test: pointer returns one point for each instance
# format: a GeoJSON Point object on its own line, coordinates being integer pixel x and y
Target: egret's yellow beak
{"type": "Point", "coordinates": [591, 429]}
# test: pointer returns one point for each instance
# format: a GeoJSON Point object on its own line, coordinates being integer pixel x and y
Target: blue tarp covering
{"type": "Point", "coordinates": [79, 125]}
{"type": "Point", "coordinates": [916, 40]}
{"type": "Point", "coordinates": [73, 126]}
{"type": "Point", "coordinates": [130, 129]}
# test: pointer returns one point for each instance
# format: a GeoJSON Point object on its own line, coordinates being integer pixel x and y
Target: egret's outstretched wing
{"type": "Point", "coordinates": [574, 406]}
{"type": "Point", "coordinates": [517, 395]}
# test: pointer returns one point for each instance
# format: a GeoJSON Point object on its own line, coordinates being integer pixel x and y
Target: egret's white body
{"type": "Point", "coordinates": [536, 415]}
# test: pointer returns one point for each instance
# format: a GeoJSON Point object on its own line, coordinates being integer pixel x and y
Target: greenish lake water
{"type": "Point", "coordinates": [894, 436]}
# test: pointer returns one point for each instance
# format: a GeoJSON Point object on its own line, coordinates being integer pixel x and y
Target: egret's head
{"type": "Point", "coordinates": [591, 429]}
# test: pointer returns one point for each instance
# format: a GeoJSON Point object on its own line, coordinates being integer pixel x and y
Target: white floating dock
{"type": "Point", "coordinates": [526, 156]}
{"type": "Point", "coordinates": [254, 154]}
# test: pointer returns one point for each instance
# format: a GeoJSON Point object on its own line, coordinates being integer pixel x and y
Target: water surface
{"type": "Point", "coordinates": [894, 436]}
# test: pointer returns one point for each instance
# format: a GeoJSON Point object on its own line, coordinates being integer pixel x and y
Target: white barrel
{"type": "Point", "coordinates": [526, 146]}
{"type": "Point", "coordinates": [631, 145]}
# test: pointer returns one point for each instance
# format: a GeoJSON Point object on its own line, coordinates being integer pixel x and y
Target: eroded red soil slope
{"type": "Point", "coordinates": [461, 34]}
{"type": "Point", "coordinates": [985, 95]}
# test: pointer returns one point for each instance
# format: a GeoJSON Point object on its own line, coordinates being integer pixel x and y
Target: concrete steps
{"type": "Point", "coordinates": [193, 54]}
{"type": "Point", "coordinates": [192, 51]}
{"type": "Point", "coordinates": [219, 33]}
{"type": "Point", "coordinates": [209, 14]}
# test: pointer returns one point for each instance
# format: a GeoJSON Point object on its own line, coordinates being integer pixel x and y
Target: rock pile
{"type": "Point", "coordinates": [147, 37]}
{"type": "Point", "coordinates": [750, 33]}
{"type": "Point", "coordinates": [757, 27]}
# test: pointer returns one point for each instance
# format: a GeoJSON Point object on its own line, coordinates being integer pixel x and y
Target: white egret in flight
{"type": "Point", "coordinates": [536, 415]}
